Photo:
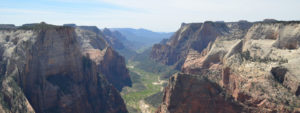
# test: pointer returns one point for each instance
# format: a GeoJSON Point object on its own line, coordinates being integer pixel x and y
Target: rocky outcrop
{"type": "Point", "coordinates": [48, 69]}
{"type": "Point", "coordinates": [114, 66]}
{"type": "Point", "coordinates": [195, 94]}
{"type": "Point", "coordinates": [196, 36]}
{"type": "Point", "coordinates": [109, 62]}
{"type": "Point", "coordinates": [113, 38]}
{"type": "Point", "coordinates": [119, 43]}
{"type": "Point", "coordinates": [285, 34]}
{"type": "Point", "coordinates": [255, 67]}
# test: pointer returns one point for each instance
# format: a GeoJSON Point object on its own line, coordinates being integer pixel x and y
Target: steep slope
{"type": "Point", "coordinates": [119, 43]}
{"type": "Point", "coordinates": [253, 71]}
{"type": "Point", "coordinates": [110, 63]}
{"type": "Point", "coordinates": [195, 94]}
{"type": "Point", "coordinates": [114, 38]}
{"type": "Point", "coordinates": [46, 69]}
{"type": "Point", "coordinates": [196, 36]}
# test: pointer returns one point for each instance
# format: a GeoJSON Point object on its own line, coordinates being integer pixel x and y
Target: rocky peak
{"type": "Point", "coordinates": [114, 38]}
{"type": "Point", "coordinates": [47, 69]}
{"type": "Point", "coordinates": [196, 36]}
{"type": "Point", "coordinates": [107, 32]}
{"type": "Point", "coordinates": [110, 63]}
{"type": "Point", "coordinates": [195, 94]}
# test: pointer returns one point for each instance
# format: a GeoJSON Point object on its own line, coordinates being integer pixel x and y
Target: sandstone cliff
{"type": "Point", "coordinates": [109, 62]}
{"type": "Point", "coordinates": [196, 94]}
{"type": "Point", "coordinates": [253, 68]}
{"type": "Point", "coordinates": [196, 36]}
{"type": "Point", "coordinates": [114, 38]}
{"type": "Point", "coordinates": [50, 69]}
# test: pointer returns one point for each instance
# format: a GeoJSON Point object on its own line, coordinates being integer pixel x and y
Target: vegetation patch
{"type": "Point", "coordinates": [143, 84]}
{"type": "Point", "coordinates": [246, 56]}
{"type": "Point", "coordinates": [279, 73]}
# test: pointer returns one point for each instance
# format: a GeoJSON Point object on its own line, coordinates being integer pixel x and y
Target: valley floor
{"type": "Point", "coordinates": [145, 85]}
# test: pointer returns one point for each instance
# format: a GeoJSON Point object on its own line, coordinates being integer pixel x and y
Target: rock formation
{"type": "Point", "coordinates": [196, 36]}
{"type": "Point", "coordinates": [114, 38]}
{"type": "Point", "coordinates": [110, 63]}
{"type": "Point", "coordinates": [235, 67]}
{"type": "Point", "coordinates": [56, 69]}
{"type": "Point", "coordinates": [196, 94]}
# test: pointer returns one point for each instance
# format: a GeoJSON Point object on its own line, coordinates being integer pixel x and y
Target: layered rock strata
{"type": "Point", "coordinates": [256, 69]}
{"type": "Point", "coordinates": [48, 69]}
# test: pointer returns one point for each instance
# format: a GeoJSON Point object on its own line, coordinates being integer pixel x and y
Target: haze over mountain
{"type": "Point", "coordinates": [142, 38]}
{"type": "Point", "coordinates": [149, 56]}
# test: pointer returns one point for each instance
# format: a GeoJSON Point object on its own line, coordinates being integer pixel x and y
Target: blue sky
{"type": "Point", "coordinates": [156, 15]}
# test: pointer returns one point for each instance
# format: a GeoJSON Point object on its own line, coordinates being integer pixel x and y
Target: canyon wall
{"type": "Point", "coordinates": [55, 69]}
{"type": "Point", "coordinates": [108, 61]}
{"type": "Point", "coordinates": [236, 67]}
{"type": "Point", "coordinates": [196, 36]}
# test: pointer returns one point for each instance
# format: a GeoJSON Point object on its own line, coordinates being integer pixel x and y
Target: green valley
{"type": "Point", "coordinates": [148, 80]}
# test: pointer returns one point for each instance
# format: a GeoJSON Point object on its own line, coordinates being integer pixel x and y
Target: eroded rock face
{"type": "Point", "coordinates": [195, 94]}
{"type": "Point", "coordinates": [114, 67]}
{"type": "Point", "coordinates": [48, 71]}
{"type": "Point", "coordinates": [255, 67]}
{"type": "Point", "coordinates": [109, 62]}
{"type": "Point", "coordinates": [196, 36]}
{"type": "Point", "coordinates": [112, 37]}
{"type": "Point", "coordinates": [286, 34]}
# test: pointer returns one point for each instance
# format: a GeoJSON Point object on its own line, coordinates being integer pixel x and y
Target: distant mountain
{"type": "Point", "coordinates": [112, 39]}
{"type": "Point", "coordinates": [119, 43]}
{"type": "Point", "coordinates": [141, 38]}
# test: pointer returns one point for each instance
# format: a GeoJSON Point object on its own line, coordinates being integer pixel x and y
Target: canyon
{"type": "Point", "coordinates": [209, 67]}
{"type": "Point", "coordinates": [232, 67]}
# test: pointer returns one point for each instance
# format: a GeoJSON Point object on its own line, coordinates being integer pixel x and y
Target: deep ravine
{"type": "Point", "coordinates": [146, 83]}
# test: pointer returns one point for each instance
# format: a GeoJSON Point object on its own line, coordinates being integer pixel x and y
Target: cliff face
{"type": "Point", "coordinates": [114, 38]}
{"type": "Point", "coordinates": [256, 70]}
{"type": "Point", "coordinates": [108, 61]}
{"type": "Point", "coordinates": [195, 94]}
{"type": "Point", "coordinates": [47, 69]}
{"type": "Point", "coordinates": [196, 36]}
{"type": "Point", "coordinates": [114, 66]}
